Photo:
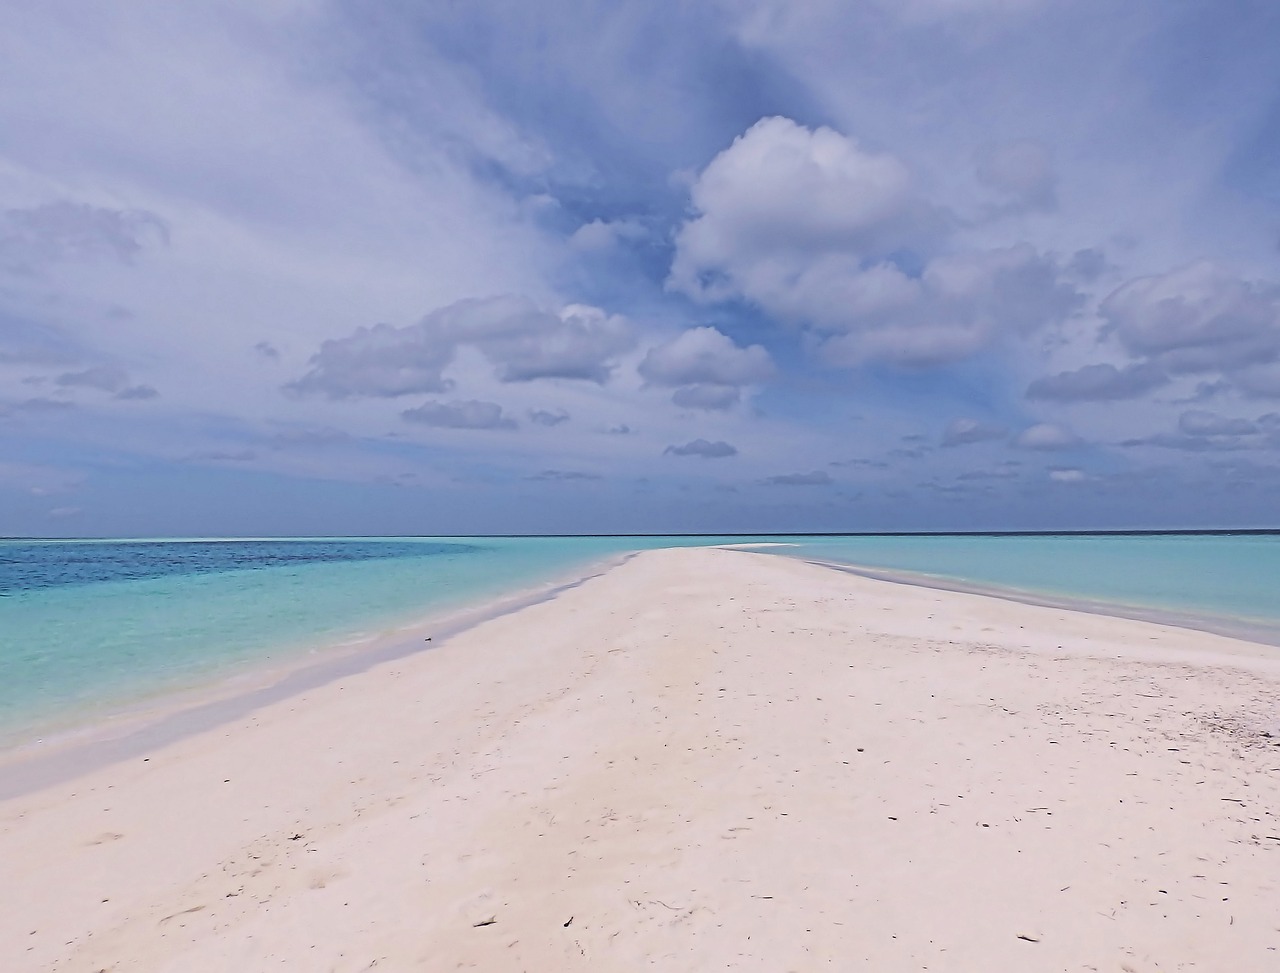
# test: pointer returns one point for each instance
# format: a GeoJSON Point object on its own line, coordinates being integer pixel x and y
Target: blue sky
{"type": "Point", "coordinates": [283, 267]}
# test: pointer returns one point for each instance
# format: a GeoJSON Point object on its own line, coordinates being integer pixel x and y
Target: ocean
{"type": "Point", "coordinates": [88, 628]}
{"type": "Point", "coordinates": [1227, 581]}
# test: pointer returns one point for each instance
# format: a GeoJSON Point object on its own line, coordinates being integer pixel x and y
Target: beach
{"type": "Point", "coordinates": [699, 759]}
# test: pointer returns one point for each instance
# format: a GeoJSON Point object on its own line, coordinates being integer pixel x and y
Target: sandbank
{"type": "Point", "coordinates": [700, 759]}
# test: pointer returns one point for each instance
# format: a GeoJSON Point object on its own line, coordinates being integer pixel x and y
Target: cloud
{"type": "Point", "coordinates": [308, 438]}
{"type": "Point", "coordinates": [960, 304]}
{"type": "Point", "coordinates": [137, 393]}
{"type": "Point", "coordinates": [782, 187]}
{"type": "Point", "coordinates": [106, 378]}
{"type": "Point", "coordinates": [1088, 264]}
{"type": "Point", "coordinates": [580, 343]}
{"type": "Point", "coordinates": [708, 366]}
{"type": "Point", "coordinates": [1258, 381]}
{"type": "Point", "coordinates": [874, 464]}
{"type": "Point", "coordinates": [36, 405]}
{"type": "Point", "coordinates": [1022, 171]}
{"type": "Point", "coordinates": [469, 414]}
{"type": "Point", "coordinates": [381, 361]}
{"type": "Point", "coordinates": [39, 480]}
{"type": "Point", "coordinates": [1204, 391]}
{"type": "Point", "coordinates": [962, 432]}
{"type": "Point", "coordinates": [1198, 318]}
{"type": "Point", "coordinates": [816, 478]}
{"type": "Point", "coordinates": [1002, 473]}
{"type": "Point", "coordinates": [564, 475]}
{"type": "Point", "coordinates": [1201, 431]}
{"type": "Point", "coordinates": [1047, 436]}
{"type": "Point", "coordinates": [811, 228]}
{"type": "Point", "coordinates": [710, 397]}
{"type": "Point", "coordinates": [546, 417]}
{"type": "Point", "coordinates": [1067, 475]}
{"type": "Point", "coordinates": [427, 153]}
{"type": "Point", "coordinates": [783, 193]}
{"type": "Point", "coordinates": [705, 356]}
{"type": "Point", "coordinates": [1190, 444]}
{"type": "Point", "coordinates": [700, 447]}
{"type": "Point", "coordinates": [603, 235]}
{"type": "Point", "coordinates": [1099, 383]}
{"type": "Point", "coordinates": [222, 456]}
{"type": "Point", "coordinates": [1198, 422]}
{"type": "Point", "coordinates": [29, 342]}
{"type": "Point", "coordinates": [520, 340]}
{"type": "Point", "coordinates": [934, 11]}
{"type": "Point", "coordinates": [63, 230]}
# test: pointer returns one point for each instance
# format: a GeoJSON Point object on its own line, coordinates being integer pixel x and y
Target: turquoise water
{"type": "Point", "coordinates": [1232, 577]}
{"type": "Point", "coordinates": [89, 626]}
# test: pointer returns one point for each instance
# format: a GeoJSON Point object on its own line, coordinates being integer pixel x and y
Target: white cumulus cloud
{"type": "Point", "coordinates": [808, 225]}
{"type": "Point", "coordinates": [522, 342]}
{"type": "Point", "coordinates": [706, 367]}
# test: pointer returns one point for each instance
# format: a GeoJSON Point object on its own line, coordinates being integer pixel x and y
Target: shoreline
{"type": "Point", "coordinates": [1243, 629]}
{"type": "Point", "coordinates": [66, 727]}
{"type": "Point", "coordinates": [70, 750]}
{"type": "Point", "coordinates": [48, 756]}
{"type": "Point", "coordinates": [696, 759]}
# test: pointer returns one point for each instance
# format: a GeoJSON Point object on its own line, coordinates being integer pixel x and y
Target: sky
{"type": "Point", "coordinates": [279, 267]}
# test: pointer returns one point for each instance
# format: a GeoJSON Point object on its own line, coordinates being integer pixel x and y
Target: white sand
{"type": "Point", "coordinates": [704, 759]}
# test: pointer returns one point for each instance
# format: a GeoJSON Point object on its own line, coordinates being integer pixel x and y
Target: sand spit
{"type": "Point", "coordinates": [703, 759]}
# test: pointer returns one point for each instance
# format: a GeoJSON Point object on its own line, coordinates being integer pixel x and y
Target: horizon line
{"type": "Point", "coordinates": [1111, 532]}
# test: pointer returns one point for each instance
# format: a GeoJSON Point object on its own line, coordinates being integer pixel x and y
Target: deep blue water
{"type": "Point", "coordinates": [33, 565]}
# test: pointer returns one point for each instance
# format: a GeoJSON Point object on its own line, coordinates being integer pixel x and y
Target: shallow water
{"type": "Point", "coordinates": [1232, 577]}
{"type": "Point", "coordinates": [87, 627]}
